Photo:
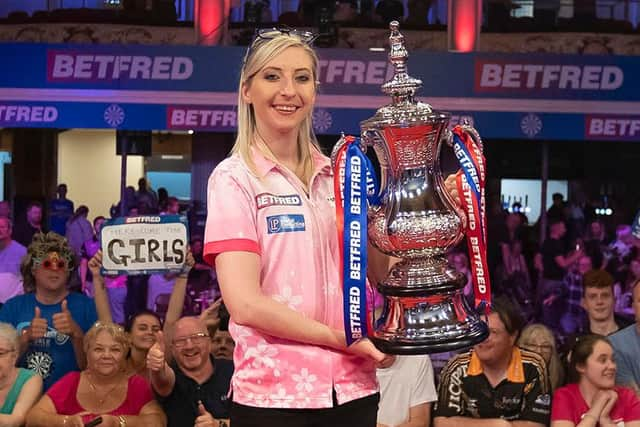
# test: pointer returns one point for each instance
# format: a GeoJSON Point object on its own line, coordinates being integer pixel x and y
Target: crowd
{"type": "Point", "coordinates": [78, 349]}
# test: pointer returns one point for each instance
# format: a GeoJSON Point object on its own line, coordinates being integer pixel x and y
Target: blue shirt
{"type": "Point", "coordinates": [626, 344]}
{"type": "Point", "coordinates": [51, 356]}
{"type": "Point", "coordinates": [60, 210]}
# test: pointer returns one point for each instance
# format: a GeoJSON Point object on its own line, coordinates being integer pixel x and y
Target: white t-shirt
{"type": "Point", "coordinates": [407, 383]}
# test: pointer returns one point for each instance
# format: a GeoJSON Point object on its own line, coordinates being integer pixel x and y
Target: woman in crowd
{"type": "Point", "coordinates": [592, 398]}
{"type": "Point", "coordinates": [143, 325]}
{"type": "Point", "coordinates": [538, 338]}
{"type": "Point", "coordinates": [282, 286]}
{"type": "Point", "coordinates": [103, 390]}
{"type": "Point", "coordinates": [19, 388]}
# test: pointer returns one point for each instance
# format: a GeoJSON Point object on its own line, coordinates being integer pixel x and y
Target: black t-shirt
{"type": "Point", "coordinates": [181, 405]}
{"type": "Point", "coordinates": [523, 395]}
{"type": "Point", "coordinates": [551, 248]}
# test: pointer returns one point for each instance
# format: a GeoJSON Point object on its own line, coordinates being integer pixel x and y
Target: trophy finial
{"type": "Point", "coordinates": [401, 87]}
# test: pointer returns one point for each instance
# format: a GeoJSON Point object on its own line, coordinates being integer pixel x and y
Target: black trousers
{"type": "Point", "coordinates": [357, 413]}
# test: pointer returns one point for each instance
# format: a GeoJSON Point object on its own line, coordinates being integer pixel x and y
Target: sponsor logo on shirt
{"type": "Point", "coordinates": [264, 200]}
{"type": "Point", "coordinates": [285, 223]}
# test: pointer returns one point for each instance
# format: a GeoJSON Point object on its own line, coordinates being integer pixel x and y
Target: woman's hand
{"type": "Point", "coordinates": [365, 348]}
{"type": "Point", "coordinates": [611, 399]}
{"type": "Point", "coordinates": [95, 263]}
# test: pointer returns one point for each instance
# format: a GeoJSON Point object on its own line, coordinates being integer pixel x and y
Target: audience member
{"type": "Point", "coordinates": [146, 198]}
{"type": "Point", "coordinates": [51, 321]}
{"type": "Point", "coordinates": [172, 207]}
{"type": "Point", "coordinates": [193, 389]}
{"type": "Point", "coordinates": [598, 302]}
{"type": "Point", "coordinates": [60, 210]}
{"type": "Point", "coordinates": [26, 229]}
{"type": "Point", "coordinates": [200, 276]}
{"type": "Point", "coordinates": [538, 338]}
{"type": "Point", "coordinates": [142, 328]}
{"type": "Point", "coordinates": [557, 212]}
{"type": "Point", "coordinates": [222, 343]}
{"type": "Point", "coordinates": [592, 398]}
{"type": "Point", "coordinates": [19, 388]}
{"type": "Point", "coordinates": [626, 344]}
{"type": "Point", "coordinates": [407, 391]}
{"type": "Point", "coordinates": [575, 317]}
{"type": "Point", "coordinates": [5, 209]}
{"type": "Point", "coordinates": [102, 390]}
{"type": "Point", "coordinates": [11, 254]}
{"type": "Point", "coordinates": [89, 249]}
{"type": "Point", "coordinates": [556, 260]}
{"type": "Point", "coordinates": [79, 230]}
{"type": "Point", "coordinates": [495, 383]}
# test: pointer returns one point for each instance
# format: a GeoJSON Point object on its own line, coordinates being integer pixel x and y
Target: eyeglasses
{"type": "Point", "coordinates": [539, 348]}
{"type": "Point", "coordinates": [271, 33]}
{"type": "Point", "coordinates": [5, 352]}
{"type": "Point", "coordinates": [196, 339]}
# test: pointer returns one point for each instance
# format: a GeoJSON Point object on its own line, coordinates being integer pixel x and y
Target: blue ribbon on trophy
{"type": "Point", "coordinates": [355, 186]}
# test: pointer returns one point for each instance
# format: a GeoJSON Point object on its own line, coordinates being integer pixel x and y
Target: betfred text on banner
{"type": "Point", "coordinates": [144, 245]}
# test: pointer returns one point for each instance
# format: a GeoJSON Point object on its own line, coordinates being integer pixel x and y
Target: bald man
{"type": "Point", "coordinates": [193, 388]}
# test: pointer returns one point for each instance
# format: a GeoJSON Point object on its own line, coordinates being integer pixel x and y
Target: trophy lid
{"type": "Point", "coordinates": [404, 110]}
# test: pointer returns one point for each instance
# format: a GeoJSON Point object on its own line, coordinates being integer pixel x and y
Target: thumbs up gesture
{"type": "Point", "coordinates": [155, 355]}
{"type": "Point", "coordinates": [204, 418]}
{"type": "Point", "coordinates": [64, 322]}
{"type": "Point", "coordinates": [38, 327]}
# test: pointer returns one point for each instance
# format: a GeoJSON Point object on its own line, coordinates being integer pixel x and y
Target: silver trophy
{"type": "Point", "coordinates": [417, 221]}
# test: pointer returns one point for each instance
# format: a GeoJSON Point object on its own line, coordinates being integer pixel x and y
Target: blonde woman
{"type": "Point", "coordinates": [538, 338]}
{"type": "Point", "coordinates": [104, 390]}
{"type": "Point", "coordinates": [271, 234]}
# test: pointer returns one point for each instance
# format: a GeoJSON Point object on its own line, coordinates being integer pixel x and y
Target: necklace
{"type": "Point", "coordinates": [94, 389]}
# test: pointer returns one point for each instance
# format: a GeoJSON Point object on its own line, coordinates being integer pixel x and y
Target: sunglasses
{"type": "Point", "coordinates": [262, 34]}
{"type": "Point", "coordinates": [270, 33]}
{"type": "Point", "coordinates": [54, 262]}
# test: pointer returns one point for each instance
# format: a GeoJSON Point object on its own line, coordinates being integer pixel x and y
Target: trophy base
{"type": "Point", "coordinates": [428, 318]}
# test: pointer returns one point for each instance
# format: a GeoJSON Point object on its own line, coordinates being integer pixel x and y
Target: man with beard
{"type": "Point", "coordinates": [193, 388]}
{"type": "Point", "coordinates": [495, 384]}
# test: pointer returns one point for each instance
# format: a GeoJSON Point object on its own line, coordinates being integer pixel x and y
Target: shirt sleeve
{"type": "Point", "coordinates": [449, 404]}
{"type": "Point", "coordinates": [231, 218]}
{"type": "Point", "coordinates": [631, 406]}
{"type": "Point", "coordinates": [424, 387]}
{"type": "Point", "coordinates": [562, 404]}
{"type": "Point", "coordinates": [537, 397]}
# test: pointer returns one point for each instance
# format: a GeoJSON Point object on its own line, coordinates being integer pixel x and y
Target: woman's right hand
{"type": "Point", "coordinates": [365, 348]}
{"type": "Point", "coordinates": [610, 398]}
{"type": "Point", "coordinates": [95, 263]}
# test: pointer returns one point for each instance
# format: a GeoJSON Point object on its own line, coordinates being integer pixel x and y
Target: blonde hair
{"type": "Point", "coordinates": [554, 367]}
{"type": "Point", "coordinates": [116, 331]}
{"type": "Point", "coordinates": [259, 53]}
{"type": "Point", "coordinates": [9, 333]}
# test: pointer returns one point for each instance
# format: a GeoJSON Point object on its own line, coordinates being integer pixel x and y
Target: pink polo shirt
{"type": "Point", "coordinates": [295, 236]}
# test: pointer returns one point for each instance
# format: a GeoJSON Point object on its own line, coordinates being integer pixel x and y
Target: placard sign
{"type": "Point", "coordinates": [144, 244]}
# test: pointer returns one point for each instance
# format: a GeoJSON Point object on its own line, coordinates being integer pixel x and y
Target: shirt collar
{"type": "Point", "coordinates": [515, 370]}
{"type": "Point", "coordinates": [264, 165]}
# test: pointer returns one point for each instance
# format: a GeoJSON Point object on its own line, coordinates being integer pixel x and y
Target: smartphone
{"type": "Point", "coordinates": [94, 422]}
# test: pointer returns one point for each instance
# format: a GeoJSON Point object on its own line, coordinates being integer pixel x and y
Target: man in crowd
{"type": "Point", "coordinates": [51, 321]}
{"type": "Point", "coordinates": [551, 295]}
{"type": "Point", "coordinates": [193, 389]}
{"type": "Point", "coordinates": [599, 303]}
{"type": "Point", "coordinates": [574, 318]}
{"type": "Point", "coordinates": [26, 229]}
{"type": "Point", "coordinates": [626, 344]}
{"type": "Point", "coordinates": [496, 384]}
{"type": "Point", "coordinates": [5, 209]}
{"type": "Point", "coordinates": [60, 210]}
{"type": "Point", "coordinates": [11, 253]}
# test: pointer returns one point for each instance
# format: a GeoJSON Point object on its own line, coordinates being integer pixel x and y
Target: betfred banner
{"type": "Point", "coordinates": [144, 245]}
{"type": "Point", "coordinates": [520, 96]}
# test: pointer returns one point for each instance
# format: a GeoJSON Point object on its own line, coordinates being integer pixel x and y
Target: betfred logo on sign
{"type": "Point", "coordinates": [502, 76]}
{"type": "Point", "coordinates": [612, 127]}
{"type": "Point", "coordinates": [66, 66]}
{"type": "Point", "coordinates": [200, 117]}
{"type": "Point", "coordinates": [13, 114]}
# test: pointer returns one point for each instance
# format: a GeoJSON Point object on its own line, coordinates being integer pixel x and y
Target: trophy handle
{"type": "Point", "coordinates": [447, 135]}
